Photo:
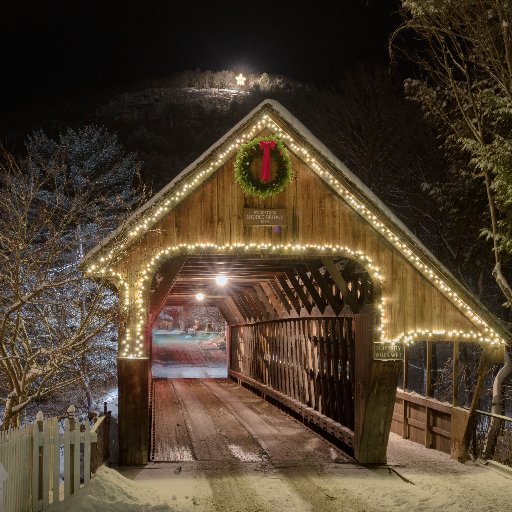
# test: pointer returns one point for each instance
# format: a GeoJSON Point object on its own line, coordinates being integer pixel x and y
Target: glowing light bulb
{"type": "Point", "coordinates": [200, 296]}
{"type": "Point", "coordinates": [221, 280]}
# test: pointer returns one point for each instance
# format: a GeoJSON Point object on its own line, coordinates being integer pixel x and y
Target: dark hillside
{"type": "Point", "coordinates": [364, 120]}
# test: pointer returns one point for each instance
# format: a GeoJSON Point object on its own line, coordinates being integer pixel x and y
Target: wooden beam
{"type": "Point", "coordinates": [265, 301]}
{"type": "Point", "coordinates": [242, 307]}
{"type": "Point", "coordinates": [348, 296]}
{"type": "Point", "coordinates": [226, 313]}
{"type": "Point", "coordinates": [170, 270]}
{"type": "Point", "coordinates": [289, 293]}
{"type": "Point", "coordinates": [319, 301]}
{"type": "Point", "coordinates": [300, 290]}
{"type": "Point", "coordinates": [281, 311]}
{"type": "Point", "coordinates": [428, 367]}
{"type": "Point", "coordinates": [249, 306]}
{"type": "Point", "coordinates": [274, 286]}
{"type": "Point", "coordinates": [249, 296]}
{"type": "Point", "coordinates": [455, 375]}
{"type": "Point", "coordinates": [230, 304]}
{"type": "Point", "coordinates": [461, 442]}
{"type": "Point", "coordinates": [326, 292]}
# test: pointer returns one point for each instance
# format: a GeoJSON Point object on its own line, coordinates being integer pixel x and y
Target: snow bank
{"type": "Point", "coordinates": [109, 491]}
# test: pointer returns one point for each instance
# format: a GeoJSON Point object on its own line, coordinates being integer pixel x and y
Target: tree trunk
{"type": "Point", "coordinates": [11, 418]}
{"type": "Point", "coordinates": [84, 382]}
{"type": "Point", "coordinates": [497, 407]}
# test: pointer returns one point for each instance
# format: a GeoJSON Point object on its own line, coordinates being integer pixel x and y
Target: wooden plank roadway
{"type": "Point", "coordinates": [218, 420]}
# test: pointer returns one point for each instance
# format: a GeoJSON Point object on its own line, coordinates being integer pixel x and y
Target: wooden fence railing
{"type": "Point", "coordinates": [428, 421]}
{"type": "Point", "coordinates": [46, 462]}
{"type": "Point", "coordinates": [306, 364]}
{"type": "Point", "coordinates": [16, 457]}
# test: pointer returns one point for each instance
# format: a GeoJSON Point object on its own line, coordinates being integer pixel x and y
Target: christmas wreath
{"type": "Point", "coordinates": [263, 186]}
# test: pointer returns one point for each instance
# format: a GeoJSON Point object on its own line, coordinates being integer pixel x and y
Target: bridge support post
{"type": "Point", "coordinates": [374, 397]}
{"type": "Point", "coordinates": [133, 386]}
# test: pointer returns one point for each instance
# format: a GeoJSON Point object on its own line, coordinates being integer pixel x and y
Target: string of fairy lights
{"type": "Point", "coordinates": [132, 345]}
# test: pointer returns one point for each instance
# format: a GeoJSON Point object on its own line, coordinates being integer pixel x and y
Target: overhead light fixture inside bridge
{"type": "Point", "coordinates": [221, 280]}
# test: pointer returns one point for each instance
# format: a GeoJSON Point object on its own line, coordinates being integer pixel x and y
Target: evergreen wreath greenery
{"type": "Point", "coordinates": [251, 185]}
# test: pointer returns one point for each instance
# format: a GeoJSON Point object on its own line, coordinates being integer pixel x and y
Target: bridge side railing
{"type": "Point", "coordinates": [304, 364]}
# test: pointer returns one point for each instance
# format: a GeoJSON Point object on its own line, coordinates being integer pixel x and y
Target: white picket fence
{"type": "Point", "coordinates": [37, 456]}
{"type": "Point", "coordinates": [16, 457]}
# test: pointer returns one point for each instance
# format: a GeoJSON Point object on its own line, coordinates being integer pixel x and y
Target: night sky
{"type": "Point", "coordinates": [53, 48]}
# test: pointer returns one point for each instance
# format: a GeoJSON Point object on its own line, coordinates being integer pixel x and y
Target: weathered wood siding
{"type": "Point", "coordinates": [316, 215]}
{"type": "Point", "coordinates": [423, 421]}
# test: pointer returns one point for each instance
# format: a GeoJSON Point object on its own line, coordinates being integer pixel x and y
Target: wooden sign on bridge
{"type": "Point", "coordinates": [264, 217]}
{"type": "Point", "coordinates": [388, 352]}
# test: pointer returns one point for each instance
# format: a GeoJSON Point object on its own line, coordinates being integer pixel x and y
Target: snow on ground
{"type": "Point", "coordinates": [415, 479]}
{"type": "Point", "coordinates": [109, 491]}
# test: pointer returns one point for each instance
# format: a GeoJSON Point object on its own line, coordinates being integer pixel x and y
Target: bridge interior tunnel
{"type": "Point", "coordinates": [298, 332]}
{"type": "Point", "coordinates": [261, 289]}
{"type": "Point", "coordinates": [188, 338]}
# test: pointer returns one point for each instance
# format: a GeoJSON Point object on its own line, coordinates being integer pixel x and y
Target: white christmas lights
{"type": "Point", "coordinates": [381, 224]}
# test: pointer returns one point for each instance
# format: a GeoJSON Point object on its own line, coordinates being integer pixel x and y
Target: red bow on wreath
{"type": "Point", "coordinates": [266, 146]}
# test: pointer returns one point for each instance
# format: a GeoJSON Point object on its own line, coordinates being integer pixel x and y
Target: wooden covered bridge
{"type": "Point", "coordinates": [328, 292]}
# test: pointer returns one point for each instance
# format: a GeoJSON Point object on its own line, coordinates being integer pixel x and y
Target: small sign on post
{"type": "Point", "coordinates": [265, 217]}
{"type": "Point", "coordinates": [385, 351]}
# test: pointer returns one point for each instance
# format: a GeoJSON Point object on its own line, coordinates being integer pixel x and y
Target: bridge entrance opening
{"type": "Point", "coordinates": [287, 328]}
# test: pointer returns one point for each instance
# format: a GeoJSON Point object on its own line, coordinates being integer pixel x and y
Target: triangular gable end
{"type": "Point", "coordinates": [270, 115]}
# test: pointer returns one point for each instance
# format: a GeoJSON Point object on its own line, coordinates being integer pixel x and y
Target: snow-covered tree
{"type": "Point", "coordinates": [57, 329]}
{"type": "Point", "coordinates": [95, 165]}
{"type": "Point", "coordinates": [463, 54]}
{"type": "Point", "coordinates": [462, 51]}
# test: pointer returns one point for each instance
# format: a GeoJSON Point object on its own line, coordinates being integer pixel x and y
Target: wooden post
{"type": "Point", "coordinates": [374, 394]}
{"type": "Point", "coordinates": [461, 441]}
{"type": "Point", "coordinates": [72, 427]}
{"type": "Point", "coordinates": [428, 427]}
{"type": "Point", "coordinates": [37, 467]}
{"type": "Point", "coordinates": [428, 369]}
{"type": "Point", "coordinates": [405, 374]}
{"type": "Point", "coordinates": [133, 386]}
{"type": "Point", "coordinates": [455, 375]}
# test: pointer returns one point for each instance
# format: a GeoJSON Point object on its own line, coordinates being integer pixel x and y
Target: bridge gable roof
{"type": "Point", "coordinates": [271, 115]}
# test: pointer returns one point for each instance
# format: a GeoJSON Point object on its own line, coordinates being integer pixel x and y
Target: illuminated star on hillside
{"type": "Point", "coordinates": [240, 79]}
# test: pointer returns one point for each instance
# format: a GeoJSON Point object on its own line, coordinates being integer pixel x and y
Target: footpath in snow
{"type": "Point", "coordinates": [416, 479]}
{"type": "Point", "coordinates": [228, 450]}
